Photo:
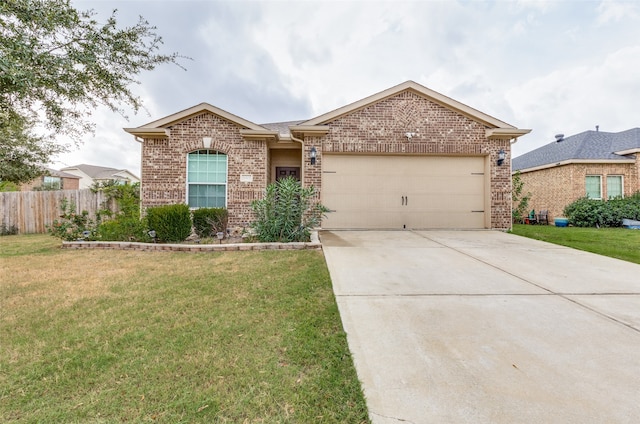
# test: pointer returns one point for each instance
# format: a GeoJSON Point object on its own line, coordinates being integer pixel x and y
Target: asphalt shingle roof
{"type": "Point", "coordinates": [595, 145]}
{"type": "Point", "coordinates": [281, 127]}
{"type": "Point", "coordinates": [98, 172]}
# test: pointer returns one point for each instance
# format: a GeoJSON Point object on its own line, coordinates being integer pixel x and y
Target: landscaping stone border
{"type": "Point", "coordinates": [314, 244]}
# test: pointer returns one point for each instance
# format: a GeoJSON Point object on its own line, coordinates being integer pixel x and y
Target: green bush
{"type": "Point", "coordinates": [125, 223]}
{"type": "Point", "coordinates": [586, 212]}
{"type": "Point", "coordinates": [172, 223]}
{"type": "Point", "coordinates": [209, 221]}
{"type": "Point", "coordinates": [287, 212]}
{"type": "Point", "coordinates": [123, 228]}
{"type": "Point", "coordinates": [8, 230]}
{"type": "Point", "coordinates": [73, 226]}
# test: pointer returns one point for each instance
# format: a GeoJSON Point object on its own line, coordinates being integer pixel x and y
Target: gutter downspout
{"type": "Point", "coordinates": [301, 155]}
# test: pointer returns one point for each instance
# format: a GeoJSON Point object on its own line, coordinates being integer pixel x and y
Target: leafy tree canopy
{"type": "Point", "coordinates": [57, 64]}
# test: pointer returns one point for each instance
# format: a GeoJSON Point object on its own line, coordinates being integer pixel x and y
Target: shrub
{"type": "Point", "coordinates": [287, 212]}
{"type": "Point", "coordinates": [172, 223]}
{"type": "Point", "coordinates": [8, 230]}
{"type": "Point", "coordinates": [586, 212]}
{"type": "Point", "coordinates": [71, 225]}
{"type": "Point", "coordinates": [125, 223]}
{"type": "Point", "coordinates": [520, 201]}
{"type": "Point", "coordinates": [123, 228]}
{"type": "Point", "coordinates": [209, 221]}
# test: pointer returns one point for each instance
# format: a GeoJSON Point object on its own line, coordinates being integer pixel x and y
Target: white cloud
{"type": "Point", "coordinates": [551, 66]}
{"type": "Point", "coordinates": [612, 11]}
{"type": "Point", "coordinates": [576, 99]}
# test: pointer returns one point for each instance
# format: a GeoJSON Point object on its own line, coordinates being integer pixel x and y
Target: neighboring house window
{"type": "Point", "coordinates": [614, 186]}
{"type": "Point", "coordinates": [207, 179]}
{"type": "Point", "coordinates": [594, 186]}
{"type": "Point", "coordinates": [51, 183]}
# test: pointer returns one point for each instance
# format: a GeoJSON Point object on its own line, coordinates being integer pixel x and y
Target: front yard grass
{"type": "Point", "coordinates": [617, 243]}
{"type": "Point", "coordinates": [170, 337]}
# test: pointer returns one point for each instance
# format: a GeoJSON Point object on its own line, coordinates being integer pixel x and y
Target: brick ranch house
{"type": "Point", "coordinates": [596, 164]}
{"type": "Point", "coordinates": [407, 157]}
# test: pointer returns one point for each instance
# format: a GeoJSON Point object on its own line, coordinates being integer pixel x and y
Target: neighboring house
{"type": "Point", "coordinates": [595, 164]}
{"type": "Point", "coordinates": [406, 157]}
{"type": "Point", "coordinates": [90, 174]}
{"type": "Point", "coordinates": [53, 180]}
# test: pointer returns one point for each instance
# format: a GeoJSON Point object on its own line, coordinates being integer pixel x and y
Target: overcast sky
{"type": "Point", "coordinates": [554, 67]}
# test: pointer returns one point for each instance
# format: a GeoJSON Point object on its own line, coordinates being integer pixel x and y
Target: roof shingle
{"type": "Point", "coordinates": [588, 145]}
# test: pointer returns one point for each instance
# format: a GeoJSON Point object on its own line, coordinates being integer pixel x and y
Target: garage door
{"type": "Point", "coordinates": [395, 192]}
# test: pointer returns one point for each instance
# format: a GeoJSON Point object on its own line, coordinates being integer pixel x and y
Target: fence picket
{"type": "Point", "coordinates": [32, 211]}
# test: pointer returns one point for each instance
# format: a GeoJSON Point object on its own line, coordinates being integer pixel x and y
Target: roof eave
{"type": "Point", "coordinates": [313, 130]}
{"type": "Point", "coordinates": [505, 133]}
{"type": "Point", "coordinates": [259, 134]}
{"type": "Point", "coordinates": [574, 161]}
{"type": "Point", "coordinates": [146, 132]}
{"type": "Point", "coordinates": [628, 151]}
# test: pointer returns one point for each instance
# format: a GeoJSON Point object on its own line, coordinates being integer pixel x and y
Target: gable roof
{"type": "Point", "coordinates": [159, 128]}
{"type": "Point", "coordinates": [61, 174]}
{"type": "Point", "coordinates": [588, 146]}
{"type": "Point", "coordinates": [99, 172]}
{"type": "Point", "coordinates": [421, 90]}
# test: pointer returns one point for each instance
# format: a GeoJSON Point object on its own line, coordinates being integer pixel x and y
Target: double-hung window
{"type": "Point", "coordinates": [207, 179]}
{"type": "Point", "coordinates": [614, 186]}
{"type": "Point", "coordinates": [593, 184]}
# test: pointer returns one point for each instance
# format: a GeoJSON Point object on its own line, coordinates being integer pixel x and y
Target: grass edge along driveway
{"type": "Point", "coordinates": [620, 243]}
{"type": "Point", "coordinates": [169, 337]}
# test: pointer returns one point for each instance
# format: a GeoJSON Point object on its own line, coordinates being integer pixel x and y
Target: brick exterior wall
{"type": "Point", "coordinates": [377, 128]}
{"type": "Point", "coordinates": [554, 188]}
{"type": "Point", "coordinates": [381, 127]}
{"type": "Point", "coordinates": [164, 164]}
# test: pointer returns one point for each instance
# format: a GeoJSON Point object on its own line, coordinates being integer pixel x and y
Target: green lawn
{"type": "Point", "coordinates": [614, 242]}
{"type": "Point", "coordinates": [106, 336]}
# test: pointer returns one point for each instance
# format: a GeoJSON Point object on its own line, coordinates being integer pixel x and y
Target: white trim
{"type": "Point", "coordinates": [574, 161]}
{"type": "Point", "coordinates": [226, 184]}
{"type": "Point", "coordinates": [621, 184]}
{"type": "Point", "coordinates": [585, 186]}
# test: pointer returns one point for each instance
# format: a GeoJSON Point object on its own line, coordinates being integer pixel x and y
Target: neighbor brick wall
{"type": "Point", "coordinates": [164, 161]}
{"type": "Point", "coordinates": [554, 188]}
{"type": "Point", "coordinates": [381, 128]}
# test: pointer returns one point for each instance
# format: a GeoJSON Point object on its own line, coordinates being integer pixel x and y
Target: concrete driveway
{"type": "Point", "coordinates": [487, 327]}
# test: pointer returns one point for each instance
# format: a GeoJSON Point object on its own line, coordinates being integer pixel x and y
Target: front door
{"type": "Point", "coordinates": [287, 171]}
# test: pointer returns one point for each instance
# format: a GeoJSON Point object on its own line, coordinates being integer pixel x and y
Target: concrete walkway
{"type": "Point", "coordinates": [487, 327]}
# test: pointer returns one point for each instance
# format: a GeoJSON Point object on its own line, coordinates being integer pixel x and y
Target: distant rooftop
{"type": "Point", "coordinates": [97, 172]}
{"type": "Point", "coordinates": [588, 145]}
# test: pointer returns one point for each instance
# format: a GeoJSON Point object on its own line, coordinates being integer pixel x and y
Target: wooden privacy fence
{"type": "Point", "coordinates": [32, 211]}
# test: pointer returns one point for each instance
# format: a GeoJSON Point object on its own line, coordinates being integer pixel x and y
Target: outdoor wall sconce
{"type": "Point", "coordinates": [313, 153]}
{"type": "Point", "coordinates": [206, 142]}
{"type": "Point", "coordinates": [501, 157]}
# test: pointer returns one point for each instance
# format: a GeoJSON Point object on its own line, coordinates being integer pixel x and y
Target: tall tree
{"type": "Point", "coordinates": [57, 64]}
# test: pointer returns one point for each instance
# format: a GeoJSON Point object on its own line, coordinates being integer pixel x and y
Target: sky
{"type": "Point", "coordinates": [553, 67]}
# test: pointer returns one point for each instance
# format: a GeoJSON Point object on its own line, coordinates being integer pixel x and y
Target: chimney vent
{"type": "Point", "coordinates": [559, 138]}
{"type": "Point", "coordinates": [597, 128]}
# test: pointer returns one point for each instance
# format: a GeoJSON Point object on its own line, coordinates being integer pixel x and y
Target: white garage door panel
{"type": "Point", "coordinates": [403, 192]}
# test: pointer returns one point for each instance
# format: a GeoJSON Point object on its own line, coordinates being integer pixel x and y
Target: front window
{"type": "Point", "coordinates": [207, 179]}
{"type": "Point", "coordinates": [614, 186]}
{"type": "Point", "coordinates": [594, 187]}
{"type": "Point", "coordinates": [52, 183]}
